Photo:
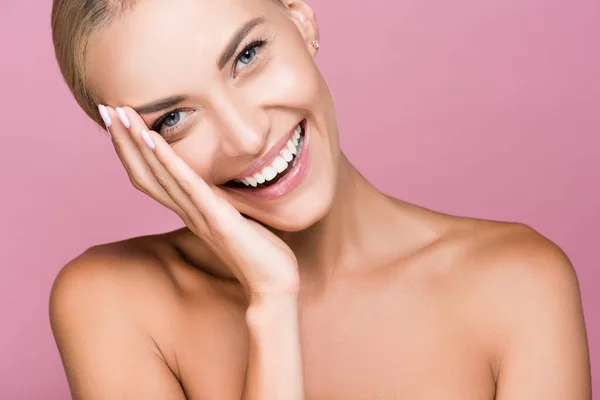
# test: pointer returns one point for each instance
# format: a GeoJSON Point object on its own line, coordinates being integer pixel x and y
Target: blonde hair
{"type": "Point", "coordinates": [74, 22]}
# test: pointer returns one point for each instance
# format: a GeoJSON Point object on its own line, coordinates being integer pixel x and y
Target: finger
{"type": "Point", "coordinates": [139, 172]}
{"type": "Point", "coordinates": [162, 177]}
{"type": "Point", "coordinates": [216, 211]}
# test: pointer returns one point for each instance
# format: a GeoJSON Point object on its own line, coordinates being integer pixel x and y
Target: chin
{"type": "Point", "coordinates": [300, 215]}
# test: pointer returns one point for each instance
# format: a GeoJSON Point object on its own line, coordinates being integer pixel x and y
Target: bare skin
{"type": "Point", "coordinates": [481, 310]}
{"type": "Point", "coordinates": [393, 301]}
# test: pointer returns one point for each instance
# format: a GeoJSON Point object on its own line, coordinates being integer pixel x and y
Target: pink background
{"type": "Point", "coordinates": [482, 108]}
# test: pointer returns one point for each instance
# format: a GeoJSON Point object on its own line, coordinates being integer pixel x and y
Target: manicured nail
{"type": "Point", "coordinates": [147, 139]}
{"type": "Point", "coordinates": [123, 117]}
{"type": "Point", "coordinates": [104, 115]}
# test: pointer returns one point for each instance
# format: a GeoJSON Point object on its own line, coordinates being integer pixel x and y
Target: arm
{"type": "Point", "coordinates": [545, 352]}
{"type": "Point", "coordinates": [274, 360]}
{"type": "Point", "coordinates": [264, 265]}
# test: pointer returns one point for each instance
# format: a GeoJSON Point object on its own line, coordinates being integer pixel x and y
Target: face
{"type": "Point", "coordinates": [239, 78]}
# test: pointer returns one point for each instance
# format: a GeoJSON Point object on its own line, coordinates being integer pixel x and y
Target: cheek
{"type": "Point", "coordinates": [292, 79]}
{"type": "Point", "coordinates": [198, 151]}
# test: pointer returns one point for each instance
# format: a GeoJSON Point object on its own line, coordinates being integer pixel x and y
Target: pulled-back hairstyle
{"type": "Point", "coordinates": [74, 22]}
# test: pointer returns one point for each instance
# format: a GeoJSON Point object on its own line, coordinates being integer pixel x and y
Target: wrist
{"type": "Point", "coordinates": [273, 300]}
{"type": "Point", "coordinates": [265, 308]}
{"type": "Point", "coordinates": [267, 294]}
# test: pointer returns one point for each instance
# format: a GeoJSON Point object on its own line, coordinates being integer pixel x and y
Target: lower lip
{"type": "Point", "coordinates": [289, 182]}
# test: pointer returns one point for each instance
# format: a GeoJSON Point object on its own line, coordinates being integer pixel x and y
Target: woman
{"type": "Point", "coordinates": [294, 277]}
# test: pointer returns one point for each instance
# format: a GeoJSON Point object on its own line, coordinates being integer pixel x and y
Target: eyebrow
{"type": "Point", "coordinates": [159, 105]}
{"type": "Point", "coordinates": [237, 37]}
{"type": "Point", "coordinates": [228, 52]}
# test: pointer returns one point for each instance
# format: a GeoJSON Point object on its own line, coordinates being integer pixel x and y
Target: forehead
{"type": "Point", "coordinates": [162, 47]}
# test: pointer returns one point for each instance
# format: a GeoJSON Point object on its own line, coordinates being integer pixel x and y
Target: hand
{"type": "Point", "coordinates": [261, 261]}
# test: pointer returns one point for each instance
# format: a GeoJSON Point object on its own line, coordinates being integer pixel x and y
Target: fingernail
{"type": "Point", "coordinates": [123, 117]}
{"type": "Point", "coordinates": [147, 139]}
{"type": "Point", "coordinates": [104, 114]}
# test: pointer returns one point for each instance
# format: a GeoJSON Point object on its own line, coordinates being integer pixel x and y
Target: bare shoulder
{"type": "Point", "coordinates": [522, 294]}
{"type": "Point", "coordinates": [516, 264]}
{"type": "Point", "coordinates": [113, 269]}
{"type": "Point", "coordinates": [509, 267]}
{"type": "Point", "coordinates": [113, 281]}
{"type": "Point", "coordinates": [122, 314]}
{"type": "Point", "coordinates": [105, 306]}
{"type": "Point", "coordinates": [142, 280]}
{"type": "Point", "coordinates": [507, 251]}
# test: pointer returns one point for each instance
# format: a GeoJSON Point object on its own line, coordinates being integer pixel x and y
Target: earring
{"type": "Point", "coordinates": [316, 44]}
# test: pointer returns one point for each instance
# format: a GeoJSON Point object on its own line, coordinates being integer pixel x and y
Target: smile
{"type": "Point", "coordinates": [274, 176]}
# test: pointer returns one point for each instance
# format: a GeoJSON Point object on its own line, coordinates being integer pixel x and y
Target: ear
{"type": "Point", "coordinates": [304, 18]}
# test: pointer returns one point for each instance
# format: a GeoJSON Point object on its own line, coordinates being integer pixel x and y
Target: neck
{"type": "Point", "coordinates": [346, 236]}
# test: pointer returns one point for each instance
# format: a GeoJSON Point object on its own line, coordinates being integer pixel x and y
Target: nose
{"type": "Point", "coordinates": [242, 125]}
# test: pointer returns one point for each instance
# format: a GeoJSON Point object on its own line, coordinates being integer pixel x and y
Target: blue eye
{"type": "Point", "coordinates": [172, 119]}
{"type": "Point", "coordinates": [249, 55]}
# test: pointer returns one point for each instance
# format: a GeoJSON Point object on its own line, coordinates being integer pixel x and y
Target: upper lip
{"type": "Point", "coordinates": [259, 164]}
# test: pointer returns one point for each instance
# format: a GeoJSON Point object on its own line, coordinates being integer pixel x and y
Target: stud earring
{"type": "Point", "coordinates": [316, 44]}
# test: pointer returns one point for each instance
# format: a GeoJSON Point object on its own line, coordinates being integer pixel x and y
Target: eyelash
{"type": "Point", "coordinates": [255, 44]}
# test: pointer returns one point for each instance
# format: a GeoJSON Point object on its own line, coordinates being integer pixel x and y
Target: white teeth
{"type": "Point", "coordinates": [259, 178]}
{"type": "Point", "coordinates": [293, 149]}
{"type": "Point", "coordinates": [251, 181]}
{"type": "Point", "coordinates": [269, 173]}
{"type": "Point", "coordinates": [280, 164]}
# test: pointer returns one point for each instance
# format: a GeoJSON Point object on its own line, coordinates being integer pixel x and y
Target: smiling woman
{"type": "Point", "coordinates": [294, 277]}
